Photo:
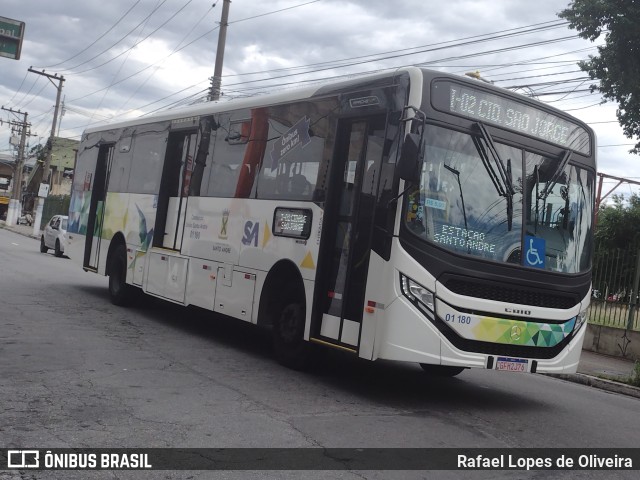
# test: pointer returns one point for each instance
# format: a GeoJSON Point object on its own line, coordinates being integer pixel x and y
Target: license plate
{"type": "Point", "coordinates": [512, 364]}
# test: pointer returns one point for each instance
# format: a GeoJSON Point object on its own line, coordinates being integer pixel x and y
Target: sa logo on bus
{"type": "Point", "coordinates": [251, 233]}
{"type": "Point", "coordinates": [517, 311]}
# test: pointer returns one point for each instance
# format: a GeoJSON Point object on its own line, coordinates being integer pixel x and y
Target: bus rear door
{"type": "Point", "coordinates": [97, 206]}
{"type": "Point", "coordinates": [174, 189]}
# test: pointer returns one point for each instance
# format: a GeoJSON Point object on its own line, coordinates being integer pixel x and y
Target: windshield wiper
{"type": "Point", "coordinates": [556, 176]}
{"type": "Point", "coordinates": [464, 210]}
{"type": "Point", "coordinates": [503, 179]}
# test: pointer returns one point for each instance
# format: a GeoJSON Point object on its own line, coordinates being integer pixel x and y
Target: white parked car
{"type": "Point", "coordinates": [55, 235]}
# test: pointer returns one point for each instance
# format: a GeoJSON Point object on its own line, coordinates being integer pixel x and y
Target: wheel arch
{"type": "Point", "coordinates": [283, 283]}
{"type": "Point", "coordinates": [116, 240]}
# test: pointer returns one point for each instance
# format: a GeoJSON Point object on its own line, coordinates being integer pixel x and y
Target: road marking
{"type": "Point", "coordinates": [16, 244]}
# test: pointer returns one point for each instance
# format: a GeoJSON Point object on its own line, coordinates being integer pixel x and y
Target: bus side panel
{"type": "Point", "coordinates": [378, 295]}
{"type": "Point", "coordinates": [232, 247]}
{"type": "Point", "coordinates": [132, 216]}
{"type": "Point", "coordinates": [240, 232]}
{"type": "Point", "coordinates": [77, 226]}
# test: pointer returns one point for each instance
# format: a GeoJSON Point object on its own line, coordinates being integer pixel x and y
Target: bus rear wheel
{"type": "Point", "coordinates": [288, 337]}
{"type": "Point", "coordinates": [441, 370]}
{"type": "Point", "coordinates": [120, 292]}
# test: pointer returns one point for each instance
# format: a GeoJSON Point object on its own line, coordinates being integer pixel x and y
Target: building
{"type": "Point", "coordinates": [6, 175]}
{"type": "Point", "coordinates": [63, 159]}
{"type": "Point", "coordinates": [63, 155]}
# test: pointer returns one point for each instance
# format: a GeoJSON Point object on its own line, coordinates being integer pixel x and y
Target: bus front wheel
{"type": "Point", "coordinates": [120, 292]}
{"type": "Point", "coordinates": [288, 337]}
{"type": "Point", "coordinates": [441, 370]}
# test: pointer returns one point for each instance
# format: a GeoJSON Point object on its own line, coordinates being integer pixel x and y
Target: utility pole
{"type": "Point", "coordinates": [47, 164]}
{"type": "Point", "coordinates": [600, 197]}
{"type": "Point", "coordinates": [216, 81]}
{"type": "Point", "coordinates": [16, 195]}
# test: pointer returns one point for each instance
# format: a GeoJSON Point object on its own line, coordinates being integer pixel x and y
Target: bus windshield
{"type": "Point", "coordinates": [497, 202]}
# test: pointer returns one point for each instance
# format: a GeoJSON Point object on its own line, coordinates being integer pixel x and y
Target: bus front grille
{"type": "Point", "coordinates": [510, 294]}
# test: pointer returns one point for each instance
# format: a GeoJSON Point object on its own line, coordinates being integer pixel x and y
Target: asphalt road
{"type": "Point", "coordinates": [76, 371]}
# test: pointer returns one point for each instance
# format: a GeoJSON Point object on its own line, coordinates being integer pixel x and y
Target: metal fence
{"type": "Point", "coordinates": [614, 297]}
{"type": "Point", "coordinates": [55, 205]}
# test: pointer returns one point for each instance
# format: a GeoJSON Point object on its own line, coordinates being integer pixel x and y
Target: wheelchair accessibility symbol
{"type": "Point", "coordinates": [535, 252]}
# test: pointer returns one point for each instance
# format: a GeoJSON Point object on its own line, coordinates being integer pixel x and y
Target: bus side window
{"type": "Point", "coordinates": [121, 167]}
{"type": "Point", "coordinates": [291, 175]}
{"type": "Point", "coordinates": [147, 161]}
{"type": "Point", "coordinates": [227, 160]}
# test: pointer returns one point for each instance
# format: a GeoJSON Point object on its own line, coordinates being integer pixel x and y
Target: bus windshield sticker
{"type": "Point", "coordinates": [292, 222]}
{"type": "Point", "coordinates": [434, 203]}
{"type": "Point", "coordinates": [296, 135]}
{"type": "Point", "coordinates": [535, 252]}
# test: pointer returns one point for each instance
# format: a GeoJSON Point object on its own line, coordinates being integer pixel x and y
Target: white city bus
{"type": "Point", "coordinates": [412, 215]}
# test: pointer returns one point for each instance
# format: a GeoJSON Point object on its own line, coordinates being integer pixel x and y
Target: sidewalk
{"type": "Point", "coordinates": [604, 372]}
{"type": "Point", "coordinates": [596, 370]}
{"type": "Point", "coordinates": [25, 230]}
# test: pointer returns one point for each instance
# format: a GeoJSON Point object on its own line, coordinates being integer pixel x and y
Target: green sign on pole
{"type": "Point", "coordinates": [11, 35]}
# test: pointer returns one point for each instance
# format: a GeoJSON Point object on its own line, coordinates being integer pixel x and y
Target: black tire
{"type": "Point", "coordinates": [43, 247]}
{"type": "Point", "coordinates": [288, 337]}
{"type": "Point", "coordinates": [120, 292]}
{"type": "Point", "coordinates": [441, 370]}
{"type": "Point", "coordinates": [57, 251]}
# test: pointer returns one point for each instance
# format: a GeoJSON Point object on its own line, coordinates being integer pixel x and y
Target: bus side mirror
{"type": "Point", "coordinates": [409, 164]}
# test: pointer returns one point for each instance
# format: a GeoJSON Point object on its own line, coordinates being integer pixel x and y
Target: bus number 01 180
{"type": "Point", "coordinates": [449, 317]}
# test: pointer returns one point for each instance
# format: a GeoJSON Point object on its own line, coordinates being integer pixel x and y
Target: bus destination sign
{"type": "Point", "coordinates": [480, 105]}
{"type": "Point", "coordinates": [292, 222]}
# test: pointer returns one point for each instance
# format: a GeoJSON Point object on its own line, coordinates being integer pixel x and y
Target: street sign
{"type": "Point", "coordinates": [11, 35]}
{"type": "Point", "coordinates": [43, 191]}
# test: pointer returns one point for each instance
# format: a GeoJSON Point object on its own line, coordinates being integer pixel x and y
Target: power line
{"type": "Point", "coordinates": [385, 55]}
{"type": "Point", "coordinates": [118, 72]}
{"type": "Point", "coordinates": [538, 76]}
{"type": "Point", "coordinates": [175, 50]}
{"type": "Point", "coordinates": [95, 41]}
{"type": "Point", "coordinates": [271, 13]}
{"type": "Point", "coordinates": [518, 32]}
{"type": "Point", "coordinates": [116, 43]}
{"type": "Point", "coordinates": [583, 108]}
{"type": "Point", "coordinates": [19, 88]}
{"type": "Point", "coordinates": [500, 50]}
{"type": "Point", "coordinates": [135, 44]}
{"type": "Point", "coordinates": [145, 68]}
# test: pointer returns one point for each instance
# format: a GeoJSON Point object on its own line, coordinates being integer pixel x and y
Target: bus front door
{"type": "Point", "coordinates": [347, 233]}
{"type": "Point", "coordinates": [95, 220]}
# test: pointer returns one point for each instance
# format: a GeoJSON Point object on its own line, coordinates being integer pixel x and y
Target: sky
{"type": "Point", "coordinates": [126, 58]}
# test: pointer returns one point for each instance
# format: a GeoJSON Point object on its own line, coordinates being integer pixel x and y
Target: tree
{"type": "Point", "coordinates": [619, 224]}
{"type": "Point", "coordinates": [617, 65]}
{"type": "Point", "coordinates": [39, 152]}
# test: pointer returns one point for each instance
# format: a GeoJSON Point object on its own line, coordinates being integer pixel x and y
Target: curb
{"type": "Point", "coordinates": [14, 230]}
{"type": "Point", "coordinates": [601, 383]}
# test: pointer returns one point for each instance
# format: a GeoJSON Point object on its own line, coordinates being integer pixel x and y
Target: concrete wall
{"type": "Point", "coordinates": [612, 341]}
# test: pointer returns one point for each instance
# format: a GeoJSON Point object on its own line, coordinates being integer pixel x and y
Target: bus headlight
{"type": "Point", "coordinates": [417, 293]}
{"type": "Point", "coordinates": [580, 320]}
